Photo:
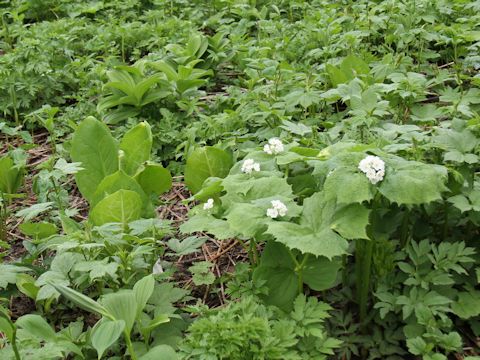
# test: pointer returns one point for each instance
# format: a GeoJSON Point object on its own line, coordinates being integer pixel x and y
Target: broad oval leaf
{"type": "Point", "coordinates": [160, 352]}
{"type": "Point", "coordinates": [122, 207]}
{"type": "Point", "coordinates": [154, 179]}
{"type": "Point", "coordinates": [105, 333]}
{"type": "Point", "coordinates": [277, 270]}
{"type": "Point", "coordinates": [204, 163]}
{"type": "Point", "coordinates": [136, 146]}
{"type": "Point", "coordinates": [121, 181]}
{"type": "Point", "coordinates": [321, 273]}
{"type": "Point", "coordinates": [97, 150]}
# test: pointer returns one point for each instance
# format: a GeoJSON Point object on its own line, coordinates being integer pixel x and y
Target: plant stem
{"type": "Point", "coordinates": [404, 229]}
{"type": "Point", "coordinates": [300, 273]}
{"type": "Point", "coordinates": [14, 345]}
{"type": "Point", "coordinates": [363, 268]}
{"type": "Point", "coordinates": [253, 252]}
{"type": "Point", "coordinates": [133, 356]}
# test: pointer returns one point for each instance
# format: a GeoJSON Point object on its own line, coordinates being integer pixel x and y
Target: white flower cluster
{"type": "Point", "coordinates": [373, 167]}
{"type": "Point", "coordinates": [208, 205]}
{"type": "Point", "coordinates": [249, 165]}
{"type": "Point", "coordinates": [274, 146]}
{"type": "Point", "coordinates": [278, 209]}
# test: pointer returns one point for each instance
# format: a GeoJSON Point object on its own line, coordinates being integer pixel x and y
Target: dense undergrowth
{"type": "Point", "coordinates": [330, 150]}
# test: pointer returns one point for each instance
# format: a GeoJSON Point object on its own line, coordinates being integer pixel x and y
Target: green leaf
{"type": "Point", "coordinates": [320, 273]}
{"type": "Point", "coordinates": [351, 221]}
{"type": "Point", "coordinates": [6, 328]}
{"type": "Point", "coordinates": [105, 333]}
{"type": "Point", "coordinates": [143, 289]}
{"type": "Point", "coordinates": [67, 168]}
{"type": "Point", "coordinates": [11, 175]}
{"type": "Point", "coordinates": [81, 300]}
{"type": "Point", "coordinates": [160, 352]}
{"type": "Point", "coordinates": [202, 274]}
{"type": "Point", "coordinates": [37, 326]}
{"type": "Point", "coordinates": [348, 186]}
{"type": "Point", "coordinates": [467, 304]}
{"type": "Point", "coordinates": [38, 230]}
{"type": "Point", "coordinates": [246, 219]}
{"type": "Point", "coordinates": [122, 306]}
{"type": "Point", "coordinates": [119, 180]}
{"type": "Point", "coordinates": [34, 210]}
{"type": "Point", "coordinates": [154, 179]}
{"type": "Point", "coordinates": [9, 274]}
{"type": "Point", "coordinates": [412, 183]}
{"type": "Point", "coordinates": [314, 234]}
{"type": "Point", "coordinates": [206, 222]}
{"type": "Point", "coordinates": [417, 346]}
{"type": "Point", "coordinates": [137, 146]}
{"type": "Point", "coordinates": [26, 285]}
{"type": "Point", "coordinates": [276, 269]}
{"type": "Point", "coordinates": [186, 246]}
{"type": "Point", "coordinates": [95, 148]}
{"type": "Point", "coordinates": [122, 207]}
{"type": "Point", "coordinates": [159, 320]}
{"type": "Point", "coordinates": [204, 163]}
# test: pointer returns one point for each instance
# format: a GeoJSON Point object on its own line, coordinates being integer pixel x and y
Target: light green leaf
{"type": "Point", "coordinates": [351, 221]}
{"type": "Point", "coordinates": [154, 179]}
{"type": "Point", "coordinates": [67, 168]}
{"type": "Point", "coordinates": [201, 273]}
{"type": "Point", "coordinates": [26, 285]}
{"type": "Point", "coordinates": [37, 326]}
{"type": "Point", "coordinates": [348, 186]}
{"type": "Point", "coordinates": [160, 352]}
{"type": "Point", "coordinates": [319, 243]}
{"type": "Point", "coordinates": [38, 230]}
{"type": "Point", "coordinates": [412, 183]}
{"type": "Point", "coordinates": [9, 274]}
{"type": "Point", "coordinates": [208, 223]}
{"type": "Point", "coordinates": [417, 346]}
{"type": "Point", "coordinates": [34, 210]}
{"type": "Point", "coordinates": [157, 321]}
{"type": "Point", "coordinates": [122, 306]}
{"type": "Point", "coordinates": [314, 234]}
{"type": "Point", "coordinates": [81, 300]}
{"type": "Point", "coordinates": [11, 175]}
{"type": "Point", "coordinates": [6, 328]}
{"type": "Point", "coordinates": [143, 289]}
{"type": "Point", "coordinates": [204, 163]}
{"type": "Point", "coordinates": [137, 146]}
{"type": "Point", "coordinates": [119, 180]}
{"type": "Point", "coordinates": [95, 148]}
{"type": "Point", "coordinates": [122, 207]}
{"type": "Point", "coordinates": [186, 246]}
{"type": "Point", "coordinates": [105, 333]}
{"type": "Point", "coordinates": [467, 304]}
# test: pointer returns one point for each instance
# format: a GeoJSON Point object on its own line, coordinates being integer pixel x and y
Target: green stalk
{"type": "Point", "coordinates": [404, 229]}
{"type": "Point", "coordinates": [14, 345]}
{"type": "Point", "coordinates": [253, 252]}
{"type": "Point", "coordinates": [363, 269]}
{"type": "Point", "coordinates": [133, 356]}
{"type": "Point", "coordinates": [300, 273]}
